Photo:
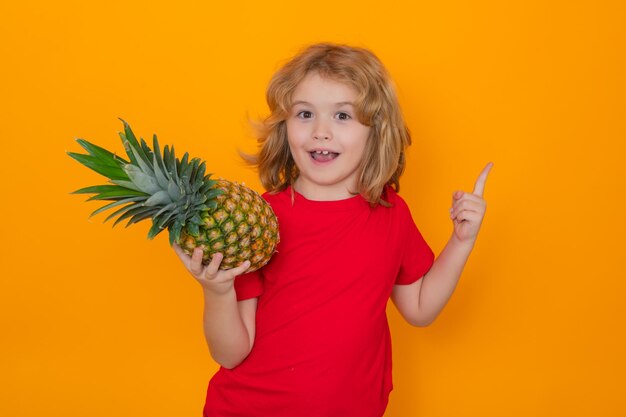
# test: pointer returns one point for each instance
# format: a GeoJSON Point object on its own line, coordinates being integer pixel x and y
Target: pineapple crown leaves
{"type": "Point", "coordinates": [151, 184]}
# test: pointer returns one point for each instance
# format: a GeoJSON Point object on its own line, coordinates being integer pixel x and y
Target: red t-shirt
{"type": "Point", "coordinates": [322, 346]}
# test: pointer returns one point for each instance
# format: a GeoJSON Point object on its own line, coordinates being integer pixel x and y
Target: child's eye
{"type": "Point", "coordinates": [343, 116]}
{"type": "Point", "coordinates": [305, 114]}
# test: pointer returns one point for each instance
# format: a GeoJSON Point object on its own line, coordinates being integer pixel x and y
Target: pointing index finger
{"type": "Point", "coordinates": [479, 187]}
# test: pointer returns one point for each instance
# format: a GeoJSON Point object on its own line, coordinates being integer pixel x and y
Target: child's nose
{"type": "Point", "coordinates": [322, 131]}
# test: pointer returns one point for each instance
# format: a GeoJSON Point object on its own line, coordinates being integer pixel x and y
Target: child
{"type": "Point", "coordinates": [307, 335]}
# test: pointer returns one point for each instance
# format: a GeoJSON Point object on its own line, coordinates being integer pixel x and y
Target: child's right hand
{"type": "Point", "coordinates": [210, 276]}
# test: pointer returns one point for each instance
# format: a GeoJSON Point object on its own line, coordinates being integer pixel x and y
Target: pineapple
{"type": "Point", "coordinates": [214, 214]}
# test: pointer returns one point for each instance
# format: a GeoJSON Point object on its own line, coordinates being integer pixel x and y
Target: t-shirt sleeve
{"type": "Point", "coordinates": [249, 285]}
{"type": "Point", "coordinates": [417, 256]}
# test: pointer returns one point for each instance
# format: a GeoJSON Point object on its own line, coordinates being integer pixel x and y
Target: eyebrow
{"type": "Point", "coordinates": [340, 104]}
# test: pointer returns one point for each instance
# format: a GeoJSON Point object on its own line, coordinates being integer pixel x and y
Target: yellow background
{"type": "Point", "coordinates": [96, 321]}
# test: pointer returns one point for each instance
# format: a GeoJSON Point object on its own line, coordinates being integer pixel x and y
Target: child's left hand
{"type": "Point", "coordinates": [468, 209]}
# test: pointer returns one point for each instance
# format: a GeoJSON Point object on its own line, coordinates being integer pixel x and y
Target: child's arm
{"type": "Point", "coordinates": [421, 302]}
{"type": "Point", "coordinates": [229, 325]}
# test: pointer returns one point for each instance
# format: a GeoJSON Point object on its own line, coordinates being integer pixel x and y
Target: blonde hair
{"type": "Point", "coordinates": [376, 106]}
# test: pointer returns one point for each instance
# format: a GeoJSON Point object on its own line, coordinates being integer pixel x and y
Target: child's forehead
{"type": "Point", "coordinates": [338, 104]}
{"type": "Point", "coordinates": [318, 76]}
{"type": "Point", "coordinates": [322, 86]}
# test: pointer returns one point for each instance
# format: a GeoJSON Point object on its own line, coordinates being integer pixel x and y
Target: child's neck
{"type": "Point", "coordinates": [322, 193]}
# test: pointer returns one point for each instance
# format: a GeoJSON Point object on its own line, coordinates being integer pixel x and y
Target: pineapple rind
{"type": "Point", "coordinates": [253, 237]}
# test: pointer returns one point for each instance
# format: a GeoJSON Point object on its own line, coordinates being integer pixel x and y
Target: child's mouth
{"type": "Point", "coordinates": [323, 156]}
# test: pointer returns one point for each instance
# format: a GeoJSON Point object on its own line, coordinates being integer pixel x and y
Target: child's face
{"type": "Point", "coordinates": [326, 139]}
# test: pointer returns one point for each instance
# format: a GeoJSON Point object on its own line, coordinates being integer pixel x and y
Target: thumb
{"type": "Point", "coordinates": [240, 269]}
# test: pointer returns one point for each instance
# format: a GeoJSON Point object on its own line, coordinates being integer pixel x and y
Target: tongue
{"type": "Point", "coordinates": [323, 158]}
